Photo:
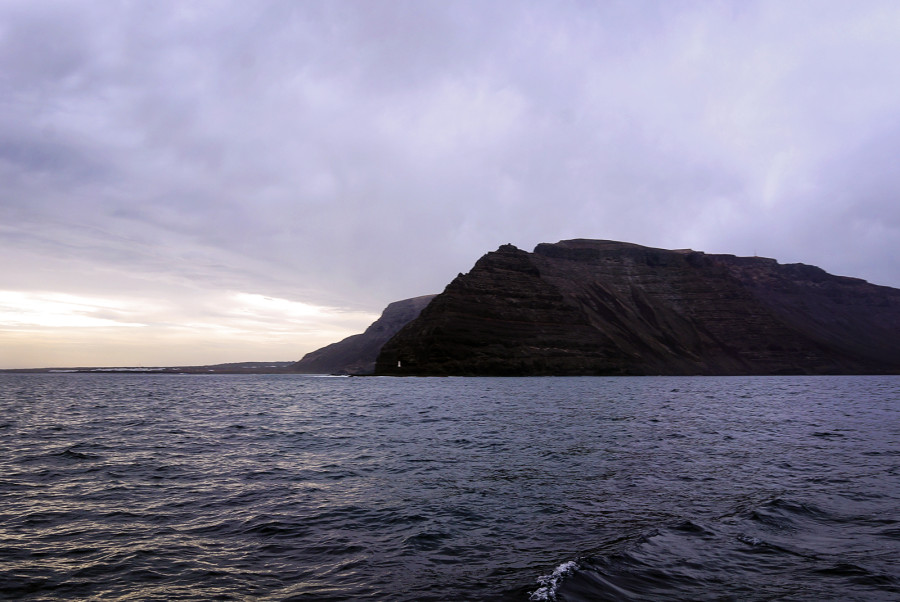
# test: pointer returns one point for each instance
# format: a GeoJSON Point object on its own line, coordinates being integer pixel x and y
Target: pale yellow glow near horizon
{"type": "Point", "coordinates": [44, 329]}
{"type": "Point", "coordinates": [21, 310]}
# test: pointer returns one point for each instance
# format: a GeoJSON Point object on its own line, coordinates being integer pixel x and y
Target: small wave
{"type": "Point", "coordinates": [762, 547]}
{"type": "Point", "coordinates": [891, 533]}
{"type": "Point", "coordinates": [550, 583]}
{"type": "Point", "coordinates": [886, 452]}
{"type": "Point", "coordinates": [277, 529]}
{"type": "Point", "coordinates": [690, 527]}
{"type": "Point", "coordinates": [784, 514]}
{"type": "Point", "coordinates": [827, 435]}
{"type": "Point", "coordinates": [750, 540]}
{"type": "Point", "coordinates": [425, 540]}
{"type": "Point", "coordinates": [860, 576]}
{"type": "Point", "coordinates": [73, 454]}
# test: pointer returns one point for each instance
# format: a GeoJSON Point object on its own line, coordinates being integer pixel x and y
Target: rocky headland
{"type": "Point", "coordinates": [590, 307]}
{"type": "Point", "coordinates": [356, 354]}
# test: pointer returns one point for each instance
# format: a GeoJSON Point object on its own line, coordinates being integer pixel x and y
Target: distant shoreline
{"type": "Point", "coordinates": [232, 368]}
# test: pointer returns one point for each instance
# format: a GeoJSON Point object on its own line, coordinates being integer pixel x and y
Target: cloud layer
{"type": "Point", "coordinates": [347, 154]}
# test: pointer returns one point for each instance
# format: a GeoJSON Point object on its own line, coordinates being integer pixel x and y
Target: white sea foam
{"type": "Point", "coordinates": [747, 539]}
{"type": "Point", "coordinates": [550, 583]}
{"type": "Point", "coordinates": [325, 375]}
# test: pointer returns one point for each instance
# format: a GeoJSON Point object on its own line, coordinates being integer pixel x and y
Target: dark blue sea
{"type": "Point", "coordinates": [283, 487]}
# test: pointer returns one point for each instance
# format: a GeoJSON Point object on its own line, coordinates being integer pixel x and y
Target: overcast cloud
{"type": "Point", "coordinates": [194, 182]}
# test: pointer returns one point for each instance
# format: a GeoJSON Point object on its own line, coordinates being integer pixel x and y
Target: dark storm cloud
{"type": "Point", "coordinates": [352, 153]}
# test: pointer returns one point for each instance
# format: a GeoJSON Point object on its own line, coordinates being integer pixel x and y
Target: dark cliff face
{"type": "Point", "coordinates": [601, 307]}
{"type": "Point", "coordinates": [356, 354]}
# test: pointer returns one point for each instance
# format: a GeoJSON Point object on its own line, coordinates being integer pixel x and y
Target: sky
{"type": "Point", "coordinates": [195, 182]}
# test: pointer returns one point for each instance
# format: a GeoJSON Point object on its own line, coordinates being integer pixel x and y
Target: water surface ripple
{"type": "Point", "coordinates": [281, 487]}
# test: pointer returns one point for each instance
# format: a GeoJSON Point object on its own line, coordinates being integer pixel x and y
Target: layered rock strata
{"type": "Point", "coordinates": [585, 307]}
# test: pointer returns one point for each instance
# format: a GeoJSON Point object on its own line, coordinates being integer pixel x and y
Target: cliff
{"type": "Point", "coordinates": [585, 307]}
{"type": "Point", "coordinates": [356, 354]}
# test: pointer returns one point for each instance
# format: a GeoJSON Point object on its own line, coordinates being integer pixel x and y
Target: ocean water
{"type": "Point", "coordinates": [282, 487]}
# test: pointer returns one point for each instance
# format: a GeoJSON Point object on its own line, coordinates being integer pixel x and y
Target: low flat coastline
{"type": "Point", "coordinates": [231, 368]}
